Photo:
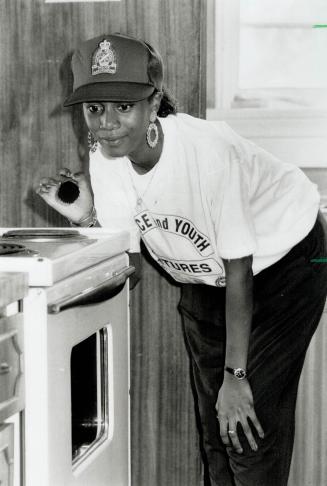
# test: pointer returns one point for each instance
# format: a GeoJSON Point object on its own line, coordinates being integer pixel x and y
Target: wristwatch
{"type": "Point", "coordinates": [239, 373]}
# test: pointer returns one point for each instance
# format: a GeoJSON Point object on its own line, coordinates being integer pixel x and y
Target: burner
{"type": "Point", "coordinates": [10, 249]}
{"type": "Point", "coordinates": [43, 234]}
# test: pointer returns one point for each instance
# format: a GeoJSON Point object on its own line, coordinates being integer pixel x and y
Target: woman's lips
{"type": "Point", "coordinates": [111, 141]}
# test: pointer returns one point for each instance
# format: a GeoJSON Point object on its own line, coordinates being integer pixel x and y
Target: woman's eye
{"type": "Point", "coordinates": [94, 109]}
{"type": "Point", "coordinates": [124, 107]}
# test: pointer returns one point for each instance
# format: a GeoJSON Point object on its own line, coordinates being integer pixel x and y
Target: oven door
{"type": "Point", "coordinates": [77, 380]}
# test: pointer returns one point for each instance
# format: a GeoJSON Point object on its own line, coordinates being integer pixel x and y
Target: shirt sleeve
{"type": "Point", "coordinates": [235, 231]}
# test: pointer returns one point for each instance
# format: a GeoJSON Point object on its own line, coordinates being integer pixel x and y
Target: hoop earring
{"type": "Point", "coordinates": [152, 134]}
{"type": "Point", "coordinates": [91, 142]}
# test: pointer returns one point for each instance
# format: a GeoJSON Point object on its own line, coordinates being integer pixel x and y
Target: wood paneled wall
{"type": "Point", "coordinates": [37, 137]}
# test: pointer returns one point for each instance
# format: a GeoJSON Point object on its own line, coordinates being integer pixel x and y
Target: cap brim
{"type": "Point", "coordinates": [114, 91]}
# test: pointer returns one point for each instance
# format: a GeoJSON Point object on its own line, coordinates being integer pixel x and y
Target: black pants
{"type": "Point", "coordinates": [289, 298]}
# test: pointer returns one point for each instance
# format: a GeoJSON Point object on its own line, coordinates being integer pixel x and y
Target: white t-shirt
{"type": "Point", "coordinates": [212, 195]}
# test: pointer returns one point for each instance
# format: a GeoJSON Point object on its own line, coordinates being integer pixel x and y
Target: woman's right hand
{"type": "Point", "coordinates": [80, 208]}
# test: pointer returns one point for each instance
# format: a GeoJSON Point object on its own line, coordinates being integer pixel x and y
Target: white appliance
{"type": "Point", "coordinates": [76, 355]}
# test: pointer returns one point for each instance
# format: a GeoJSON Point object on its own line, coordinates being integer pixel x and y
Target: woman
{"type": "Point", "coordinates": [235, 226]}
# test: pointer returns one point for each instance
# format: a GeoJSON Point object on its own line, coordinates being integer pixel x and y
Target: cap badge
{"type": "Point", "coordinates": [104, 59]}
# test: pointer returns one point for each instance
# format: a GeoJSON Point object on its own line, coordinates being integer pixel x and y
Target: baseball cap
{"type": "Point", "coordinates": [111, 67]}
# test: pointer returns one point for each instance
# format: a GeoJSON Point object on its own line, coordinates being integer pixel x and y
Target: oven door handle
{"type": "Point", "coordinates": [107, 289]}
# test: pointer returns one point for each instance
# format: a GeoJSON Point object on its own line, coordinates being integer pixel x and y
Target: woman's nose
{"type": "Point", "coordinates": [109, 118]}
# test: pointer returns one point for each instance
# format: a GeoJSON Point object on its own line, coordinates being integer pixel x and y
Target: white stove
{"type": "Point", "coordinates": [76, 354]}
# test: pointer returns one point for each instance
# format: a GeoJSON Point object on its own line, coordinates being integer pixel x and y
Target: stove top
{"type": "Point", "coordinates": [29, 237]}
{"type": "Point", "coordinates": [50, 255]}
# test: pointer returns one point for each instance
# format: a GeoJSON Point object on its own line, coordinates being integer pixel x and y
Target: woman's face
{"type": "Point", "coordinates": [119, 127]}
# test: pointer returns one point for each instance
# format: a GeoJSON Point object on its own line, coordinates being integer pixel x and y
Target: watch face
{"type": "Point", "coordinates": [239, 373]}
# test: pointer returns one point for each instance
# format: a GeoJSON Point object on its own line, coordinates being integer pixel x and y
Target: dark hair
{"type": "Point", "coordinates": [168, 105]}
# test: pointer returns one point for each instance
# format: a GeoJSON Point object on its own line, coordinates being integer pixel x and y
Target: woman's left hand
{"type": "Point", "coordinates": [235, 405]}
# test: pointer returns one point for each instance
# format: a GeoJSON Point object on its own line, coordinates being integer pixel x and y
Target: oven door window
{"type": "Point", "coordinates": [89, 395]}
